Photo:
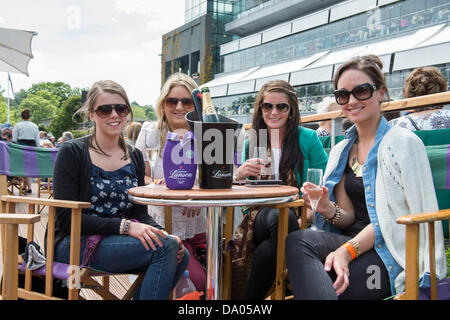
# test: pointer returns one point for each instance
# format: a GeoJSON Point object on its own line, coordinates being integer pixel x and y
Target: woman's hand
{"type": "Point", "coordinates": [339, 260]}
{"type": "Point", "coordinates": [147, 234]}
{"type": "Point", "coordinates": [250, 168]}
{"type": "Point", "coordinates": [191, 212]}
{"type": "Point", "coordinates": [181, 249]}
{"type": "Point", "coordinates": [324, 202]}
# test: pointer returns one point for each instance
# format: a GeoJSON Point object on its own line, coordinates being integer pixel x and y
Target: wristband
{"type": "Point", "coordinates": [351, 249]}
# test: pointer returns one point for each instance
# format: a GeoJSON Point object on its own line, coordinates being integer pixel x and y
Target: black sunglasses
{"type": "Point", "coordinates": [281, 107]}
{"type": "Point", "coordinates": [105, 110]}
{"type": "Point", "coordinates": [173, 102]}
{"type": "Point", "coordinates": [361, 92]}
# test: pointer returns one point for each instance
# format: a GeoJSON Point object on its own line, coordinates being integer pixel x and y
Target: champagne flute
{"type": "Point", "coordinates": [153, 155]}
{"type": "Point", "coordinates": [314, 188]}
{"type": "Point", "coordinates": [261, 153]}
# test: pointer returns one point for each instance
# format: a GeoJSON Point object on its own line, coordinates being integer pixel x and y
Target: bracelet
{"type": "Point", "coordinates": [126, 226]}
{"type": "Point", "coordinates": [353, 248]}
{"type": "Point", "coordinates": [350, 249]}
{"type": "Point", "coordinates": [337, 214]}
{"type": "Point", "coordinates": [355, 245]}
{"type": "Point", "coordinates": [122, 224]}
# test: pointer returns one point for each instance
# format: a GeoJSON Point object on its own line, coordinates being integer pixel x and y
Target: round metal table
{"type": "Point", "coordinates": [215, 200]}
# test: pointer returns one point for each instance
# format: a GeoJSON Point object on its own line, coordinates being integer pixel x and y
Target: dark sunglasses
{"type": "Point", "coordinates": [105, 110]}
{"type": "Point", "coordinates": [281, 107]}
{"type": "Point", "coordinates": [173, 102]}
{"type": "Point", "coordinates": [361, 92]}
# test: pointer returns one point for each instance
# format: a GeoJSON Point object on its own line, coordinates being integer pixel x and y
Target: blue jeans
{"type": "Point", "coordinates": [119, 254]}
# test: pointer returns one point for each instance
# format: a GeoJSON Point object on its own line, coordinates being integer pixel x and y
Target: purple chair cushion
{"type": "Point", "coordinates": [60, 270]}
{"type": "Point", "coordinates": [443, 291]}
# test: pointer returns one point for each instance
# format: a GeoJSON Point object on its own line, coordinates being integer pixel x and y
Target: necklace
{"type": "Point", "coordinates": [356, 166]}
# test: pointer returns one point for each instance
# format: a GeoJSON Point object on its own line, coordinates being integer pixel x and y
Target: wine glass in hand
{"type": "Point", "coordinates": [261, 154]}
{"type": "Point", "coordinates": [314, 188]}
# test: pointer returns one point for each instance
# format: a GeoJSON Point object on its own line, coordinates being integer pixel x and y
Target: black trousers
{"type": "Point", "coordinates": [306, 251]}
{"type": "Point", "coordinates": [263, 267]}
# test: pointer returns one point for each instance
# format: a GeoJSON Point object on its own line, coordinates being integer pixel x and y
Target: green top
{"type": "Point", "coordinates": [313, 153]}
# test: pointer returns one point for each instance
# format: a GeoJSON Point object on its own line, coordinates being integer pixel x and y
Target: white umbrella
{"type": "Point", "coordinates": [15, 52]}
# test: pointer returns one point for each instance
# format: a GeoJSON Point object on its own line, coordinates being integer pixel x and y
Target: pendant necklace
{"type": "Point", "coordinates": [356, 166]}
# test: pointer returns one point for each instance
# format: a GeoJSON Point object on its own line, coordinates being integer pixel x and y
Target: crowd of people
{"type": "Point", "coordinates": [369, 180]}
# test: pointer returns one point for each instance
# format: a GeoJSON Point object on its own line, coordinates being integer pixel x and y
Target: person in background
{"type": "Point", "coordinates": [6, 135]}
{"type": "Point", "coordinates": [26, 133]}
{"type": "Point", "coordinates": [423, 81]}
{"type": "Point", "coordinates": [328, 104]}
{"type": "Point", "coordinates": [100, 168]}
{"type": "Point", "coordinates": [373, 176]}
{"type": "Point", "coordinates": [292, 149]}
{"type": "Point", "coordinates": [133, 130]}
{"type": "Point", "coordinates": [189, 224]}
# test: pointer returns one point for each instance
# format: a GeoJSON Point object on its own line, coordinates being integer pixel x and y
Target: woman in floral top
{"type": "Point", "coordinates": [117, 235]}
{"type": "Point", "coordinates": [420, 82]}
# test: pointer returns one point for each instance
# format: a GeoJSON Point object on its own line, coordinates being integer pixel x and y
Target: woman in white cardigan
{"type": "Point", "coordinates": [376, 174]}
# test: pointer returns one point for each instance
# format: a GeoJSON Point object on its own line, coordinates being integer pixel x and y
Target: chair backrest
{"type": "Point", "coordinates": [24, 161]}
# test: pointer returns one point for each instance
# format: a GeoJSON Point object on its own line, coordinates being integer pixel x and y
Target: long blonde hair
{"type": "Point", "coordinates": [175, 80]}
{"type": "Point", "coordinates": [88, 106]}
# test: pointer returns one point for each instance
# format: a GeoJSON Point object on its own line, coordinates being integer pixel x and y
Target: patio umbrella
{"type": "Point", "coordinates": [15, 53]}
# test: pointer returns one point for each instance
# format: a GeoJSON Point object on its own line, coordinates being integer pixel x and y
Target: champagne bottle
{"type": "Point", "coordinates": [209, 112]}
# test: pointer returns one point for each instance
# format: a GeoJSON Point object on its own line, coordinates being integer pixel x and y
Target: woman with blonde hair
{"type": "Point", "coordinates": [373, 176]}
{"type": "Point", "coordinates": [117, 235]}
{"type": "Point", "coordinates": [189, 224]}
{"type": "Point", "coordinates": [133, 130]}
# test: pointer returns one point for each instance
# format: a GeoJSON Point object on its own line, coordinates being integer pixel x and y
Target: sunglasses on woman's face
{"type": "Point", "coordinates": [281, 107]}
{"type": "Point", "coordinates": [361, 92]}
{"type": "Point", "coordinates": [105, 110]}
{"type": "Point", "coordinates": [173, 102]}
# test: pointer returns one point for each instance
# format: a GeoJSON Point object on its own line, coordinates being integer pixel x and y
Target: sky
{"type": "Point", "coordinates": [83, 41]}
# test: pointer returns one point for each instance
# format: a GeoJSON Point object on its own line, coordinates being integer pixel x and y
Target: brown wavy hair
{"type": "Point", "coordinates": [370, 64]}
{"type": "Point", "coordinates": [423, 81]}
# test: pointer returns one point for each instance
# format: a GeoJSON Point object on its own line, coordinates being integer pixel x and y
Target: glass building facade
{"type": "Point", "coordinates": [391, 21]}
{"type": "Point", "coordinates": [310, 95]}
{"type": "Point", "coordinates": [194, 9]}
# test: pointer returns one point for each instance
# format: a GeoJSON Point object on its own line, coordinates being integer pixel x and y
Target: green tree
{"type": "Point", "coordinates": [59, 89]}
{"type": "Point", "coordinates": [42, 105]}
{"type": "Point", "coordinates": [63, 120]}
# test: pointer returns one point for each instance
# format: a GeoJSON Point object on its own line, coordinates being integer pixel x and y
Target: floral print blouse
{"type": "Point", "coordinates": [110, 190]}
{"type": "Point", "coordinates": [439, 119]}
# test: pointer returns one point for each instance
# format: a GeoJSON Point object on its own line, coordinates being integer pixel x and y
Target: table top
{"type": "Point", "coordinates": [236, 196]}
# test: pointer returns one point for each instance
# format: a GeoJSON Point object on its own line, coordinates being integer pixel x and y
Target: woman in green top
{"type": "Point", "coordinates": [292, 149]}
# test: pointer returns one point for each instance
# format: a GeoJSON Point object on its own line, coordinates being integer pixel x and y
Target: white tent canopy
{"type": "Point", "coordinates": [15, 50]}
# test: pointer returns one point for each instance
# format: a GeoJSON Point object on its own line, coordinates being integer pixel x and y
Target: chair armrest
{"type": "Point", "coordinates": [48, 202]}
{"type": "Point", "coordinates": [424, 217]}
{"type": "Point", "coordinates": [11, 218]}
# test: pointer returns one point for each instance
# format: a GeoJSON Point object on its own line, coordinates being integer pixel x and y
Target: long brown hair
{"type": "Point", "coordinates": [291, 153]}
{"type": "Point", "coordinates": [96, 89]}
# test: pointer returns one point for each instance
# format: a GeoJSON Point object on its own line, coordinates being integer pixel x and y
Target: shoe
{"type": "Point", "coordinates": [28, 191]}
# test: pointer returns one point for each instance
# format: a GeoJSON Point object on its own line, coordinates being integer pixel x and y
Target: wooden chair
{"type": "Point", "coordinates": [79, 276]}
{"type": "Point", "coordinates": [412, 223]}
{"type": "Point", "coordinates": [16, 183]}
{"type": "Point", "coordinates": [278, 289]}
{"type": "Point", "coordinates": [44, 187]}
